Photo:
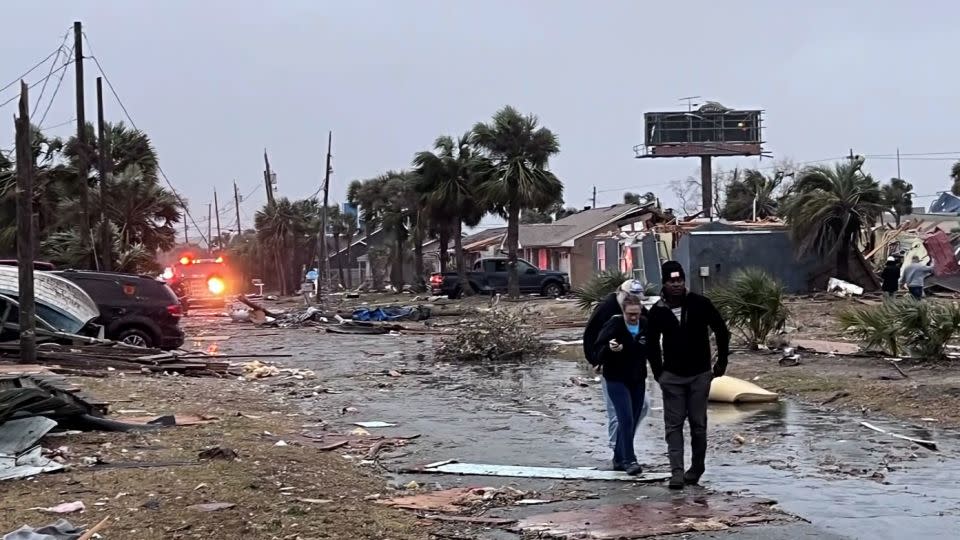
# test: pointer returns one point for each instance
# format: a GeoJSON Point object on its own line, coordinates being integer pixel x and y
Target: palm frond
{"type": "Point", "coordinates": [599, 287]}
{"type": "Point", "coordinates": [752, 302]}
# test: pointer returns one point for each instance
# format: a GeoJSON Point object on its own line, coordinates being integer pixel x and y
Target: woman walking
{"type": "Point", "coordinates": [620, 351]}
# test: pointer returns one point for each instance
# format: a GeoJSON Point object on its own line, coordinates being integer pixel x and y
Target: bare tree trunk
{"type": "Point", "coordinates": [843, 259]}
{"type": "Point", "coordinates": [513, 238]}
{"type": "Point", "coordinates": [461, 263]}
{"type": "Point", "coordinates": [444, 239]}
{"type": "Point", "coordinates": [419, 285]}
{"type": "Point", "coordinates": [396, 265]}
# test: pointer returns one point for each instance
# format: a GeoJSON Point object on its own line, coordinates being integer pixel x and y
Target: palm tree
{"type": "Point", "coordinates": [636, 198]}
{"type": "Point", "coordinates": [955, 175]}
{"type": "Point", "coordinates": [519, 151]}
{"type": "Point", "coordinates": [275, 225]}
{"type": "Point", "coordinates": [448, 179]}
{"type": "Point", "coordinates": [829, 208]}
{"type": "Point", "coordinates": [143, 211]}
{"type": "Point", "coordinates": [897, 198]}
{"type": "Point", "coordinates": [754, 192]}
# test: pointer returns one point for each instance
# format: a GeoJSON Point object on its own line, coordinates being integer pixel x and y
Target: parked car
{"type": "Point", "coordinates": [490, 276]}
{"type": "Point", "coordinates": [138, 310]}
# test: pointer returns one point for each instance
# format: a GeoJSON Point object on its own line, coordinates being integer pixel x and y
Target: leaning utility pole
{"type": "Point", "coordinates": [216, 210]}
{"type": "Point", "coordinates": [324, 265]}
{"type": "Point", "coordinates": [103, 145]}
{"type": "Point", "coordinates": [268, 178]}
{"type": "Point", "coordinates": [209, 227]}
{"type": "Point", "coordinates": [236, 201]}
{"type": "Point", "coordinates": [82, 165]}
{"type": "Point", "coordinates": [28, 336]}
{"type": "Point", "coordinates": [593, 200]}
{"type": "Point", "coordinates": [186, 232]}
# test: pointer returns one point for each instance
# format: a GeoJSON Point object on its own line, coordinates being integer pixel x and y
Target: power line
{"type": "Point", "coordinates": [29, 71]}
{"type": "Point", "coordinates": [58, 70]}
{"type": "Point", "coordinates": [126, 114]}
{"type": "Point", "coordinates": [56, 90]}
{"type": "Point", "coordinates": [55, 126]}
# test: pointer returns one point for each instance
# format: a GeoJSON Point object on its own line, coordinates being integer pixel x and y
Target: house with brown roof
{"type": "Point", "coordinates": [477, 245]}
{"type": "Point", "coordinates": [582, 244]}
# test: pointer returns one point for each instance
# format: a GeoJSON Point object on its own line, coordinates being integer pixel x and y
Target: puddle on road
{"type": "Point", "coordinates": [823, 467]}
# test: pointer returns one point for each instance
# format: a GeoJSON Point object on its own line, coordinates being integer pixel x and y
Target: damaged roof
{"type": "Point", "coordinates": [568, 229]}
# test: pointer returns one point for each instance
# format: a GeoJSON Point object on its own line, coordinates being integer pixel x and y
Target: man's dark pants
{"type": "Point", "coordinates": [916, 292]}
{"type": "Point", "coordinates": [685, 399]}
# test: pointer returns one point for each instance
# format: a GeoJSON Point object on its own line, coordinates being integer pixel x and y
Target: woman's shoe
{"type": "Point", "coordinates": [633, 469]}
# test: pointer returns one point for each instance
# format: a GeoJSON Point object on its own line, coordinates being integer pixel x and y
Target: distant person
{"type": "Point", "coordinates": [620, 350]}
{"type": "Point", "coordinates": [891, 277]}
{"type": "Point", "coordinates": [684, 321]}
{"type": "Point", "coordinates": [915, 274]}
{"type": "Point", "coordinates": [605, 310]}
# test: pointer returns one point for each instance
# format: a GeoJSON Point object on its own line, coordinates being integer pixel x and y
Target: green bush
{"type": "Point", "coordinates": [920, 329]}
{"type": "Point", "coordinates": [601, 285]}
{"type": "Point", "coordinates": [752, 303]}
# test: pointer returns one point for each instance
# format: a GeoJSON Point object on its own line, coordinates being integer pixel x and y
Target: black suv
{"type": "Point", "coordinates": [138, 310]}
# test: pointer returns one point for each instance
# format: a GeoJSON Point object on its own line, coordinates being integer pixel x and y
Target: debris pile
{"type": "Point", "coordinates": [259, 370]}
{"type": "Point", "coordinates": [496, 335]}
{"type": "Point", "coordinates": [93, 359]}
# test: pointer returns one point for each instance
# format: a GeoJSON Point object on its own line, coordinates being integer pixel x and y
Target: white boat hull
{"type": "Point", "coordinates": [65, 306]}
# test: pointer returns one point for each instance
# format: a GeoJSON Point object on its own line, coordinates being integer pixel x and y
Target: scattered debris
{"type": "Point", "coordinates": [61, 530]}
{"type": "Point", "coordinates": [739, 439]}
{"type": "Point", "coordinates": [219, 452]}
{"type": "Point", "coordinates": [478, 469]}
{"type": "Point", "coordinates": [727, 389]}
{"type": "Point", "coordinates": [897, 367]}
{"type": "Point", "coordinates": [103, 355]}
{"type": "Point", "coordinates": [374, 424]}
{"type": "Point", "coordinates": [790, 358]}
{"type": "Point", "coordinates": [651, 518]}
{"type": "Point", "coordinates": [843, 288]}
{"type": "Point", "coordinates": [929, 445]}
{"type": "Point", "coordinates": [211, 507]}
{"type": "Point", "coordinates": [313, 501]}
{"type": "Point", "coordinates": [827, 347]}
{"type": "Point", "coordinates": [496, 335]}
{"type": "Point", "coordinates": [64, 508]}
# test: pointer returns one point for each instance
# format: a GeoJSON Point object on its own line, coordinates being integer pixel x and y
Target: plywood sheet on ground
{"type": "Point", "coordinates": [652, 518]}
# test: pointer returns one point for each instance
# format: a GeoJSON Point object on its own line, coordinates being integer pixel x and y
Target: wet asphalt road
{"type": "Point", "coordinates": [840, 479]}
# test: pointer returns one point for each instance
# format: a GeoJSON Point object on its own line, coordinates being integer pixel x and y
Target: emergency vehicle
{"type": "Point", "coordinates": [200, 281]}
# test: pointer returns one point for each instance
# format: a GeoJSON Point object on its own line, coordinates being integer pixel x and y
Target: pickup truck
{"type": "Point", "coordinates": [490, 276]}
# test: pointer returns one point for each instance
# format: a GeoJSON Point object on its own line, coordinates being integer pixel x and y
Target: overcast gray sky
{"type": "Point", "coordinates": [214, 82]}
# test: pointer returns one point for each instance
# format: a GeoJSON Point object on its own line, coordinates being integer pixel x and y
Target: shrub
{"type": "Point", "coordinates": [920, 328]}
{"type": "Point", "coordinates": [752, 303]}
{"type": "Point", "coordinates": [598, 288]}
{"type": "Point", "coordinates": [499, 334]}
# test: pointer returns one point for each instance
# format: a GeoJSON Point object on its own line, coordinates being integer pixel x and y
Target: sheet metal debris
{"type": "Point", "coordinates": [652, 518]}
{"type": "Point", "coordinates": [479, 469]}
{"type": "Point", "coordinates": [827, 347]}
{"type": "Point", "coordinates": [61, 530]}
{"type": "Point", "coordinates": [929, 445]}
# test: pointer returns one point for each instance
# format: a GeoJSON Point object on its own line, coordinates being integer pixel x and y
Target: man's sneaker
{"type": "Point", "coordinates": [633, 469]}
{"type": "Point", "coordinates": [618, 467]}
{"type": "Point", "coordinates": [676, 481]}
{"type": "Point", "coordinates": [692, 477]}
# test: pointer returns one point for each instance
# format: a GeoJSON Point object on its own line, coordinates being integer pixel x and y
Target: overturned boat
{"type": "Point", "coordinates": [62, 306]}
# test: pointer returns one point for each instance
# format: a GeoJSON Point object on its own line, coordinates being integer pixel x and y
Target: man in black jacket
{"type": "Point", "coordinates": [891, 277]}
{"type": "Point", "coordinates": [605, 310]}
{"type": "Point", "coordinates": [683, 369]}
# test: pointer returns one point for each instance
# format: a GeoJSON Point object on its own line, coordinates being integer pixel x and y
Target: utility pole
{"type": "Point", "coordinates": [706, 185]}
{"type": "Point", "coordinates": [898, 163]}
{"type": "Point", "coordinates": [106, 245]}
{"type": "Point", "coordinates": [82, 165]}
{"type": "Point", "coordinates": [324, 265]}
{"type": "Point", "coordinates": [209, 227]}
{"type": "Point", "coordinates": [268, 178]}
{"type": "Point", "coordinates": [236, 201]}
{"type": "Point", "coordinates": [216, 210]}
{"type": "Point", "coordinates": [186, 231]}
{"type": "Point", "coordinates": [594, 198]}
{"type": "Point", "coordinates": [28, 336]}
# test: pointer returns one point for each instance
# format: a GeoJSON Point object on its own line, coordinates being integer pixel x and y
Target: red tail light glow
{"type": "Point", "coordinates": [175, 310]}
{"type": "Point", "coordinates": [436, 279]}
